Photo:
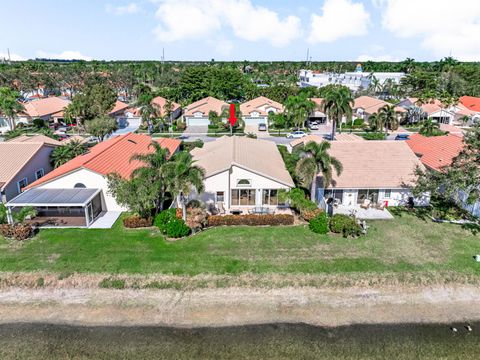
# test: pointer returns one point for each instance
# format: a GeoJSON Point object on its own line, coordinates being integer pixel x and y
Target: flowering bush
{"type": "Point", "coordinates": [250, 220]}
{"type": "Point", "coordinates": [135, 221]}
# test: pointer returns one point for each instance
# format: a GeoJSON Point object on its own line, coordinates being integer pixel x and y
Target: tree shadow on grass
{"type": "Point", "coordinates": [473, 228]}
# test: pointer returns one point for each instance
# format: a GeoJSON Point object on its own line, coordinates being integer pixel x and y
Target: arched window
{"type": "Point", "coordinates": [243, 183]}
{"type": "Point", "coordinates": [80, 186]}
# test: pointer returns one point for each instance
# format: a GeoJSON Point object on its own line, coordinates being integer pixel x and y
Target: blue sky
{"type": "Point", "coordinates": [241, 29]}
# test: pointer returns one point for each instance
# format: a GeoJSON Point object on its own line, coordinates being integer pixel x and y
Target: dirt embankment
{"type": "Point", "coordinates": [239, 306]}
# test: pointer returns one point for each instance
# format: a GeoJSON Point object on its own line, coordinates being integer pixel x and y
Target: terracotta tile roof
{"type": "Point", "coordinates": [35, 139]}
{"type": "Point", "coordinates": [471, 102]}
{"type": "Point", "coordinates": [44, 107]}
{"type": "Point", "coordinates": [305, 140]}
{"type": "Point", "coordinates": [205, 106]}
{"type": "Point", "coordinates": [160, 102]}
{"type": "Point", "coordinates": [452, 130]}
{"type": "Point", "coordinates": [436, 152]}
{"type": "Point", "coordinates": [260, 105]}
{"type": "Point", "coordinates": [348, 137]}
{"type": "Point", "coordinates": [318, 102]}
{"type": "Point", "coordinates": [374, 164]}
{"type": "Point", "coordinates": [259, 156]}
{"type": "Point", "coordinates": [462, 110]}
{"type": "Point", "coordinates": [111, 156]}
{"type": "Point", "coordinates": [118, 107]}
{"type": "Point", "coordinates": [14, 156]}
{"type": "Point", "coordinates": [371, 105]}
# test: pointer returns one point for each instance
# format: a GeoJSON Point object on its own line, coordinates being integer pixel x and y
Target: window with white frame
{"type": "Point", "coordinates": [22, 184]}
{"type": "Point", "coordinates": [39, 173]}
{"type": "Point", "coordinates": [220, 196]}
{"type": "Point", "coordinates": [388, 193]}
{"type": "Point", "coordinates": [243, 197]}
{"type": "Point", "coordinates": [270, 197]}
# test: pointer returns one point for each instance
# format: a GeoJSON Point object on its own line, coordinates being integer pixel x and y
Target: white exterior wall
{"type": "Point", "coordinates": [91, 180]}
{"type": "Point", "coordinates": [228, 179]}
{"type": "Point", "coordinates": [398, 197]}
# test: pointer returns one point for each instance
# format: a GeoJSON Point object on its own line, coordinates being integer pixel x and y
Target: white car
{"type": "Point", "coordinates": [296, 135]}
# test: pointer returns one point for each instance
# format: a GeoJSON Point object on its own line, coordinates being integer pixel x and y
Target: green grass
{"type": "Point", "coordinates": [405, 244]}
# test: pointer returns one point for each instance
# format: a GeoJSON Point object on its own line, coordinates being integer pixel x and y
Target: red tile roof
{"type": "Point", "coordinates": [436, 152]}
{"type": "Point", "coordinates": [471, 102]}
{"type": "Point", "coordinates": [111, 156]}
{"type": "Point", "coordinates": [118, 107]}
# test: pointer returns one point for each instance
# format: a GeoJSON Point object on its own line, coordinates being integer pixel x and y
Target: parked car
{"type": "Point", "coordinates": [262, 127]}
{"type": "Point", "coordinates": [402, 137]}
{"type": "Point", "coordinates": [313, 126]}
{"type": "Point", "coordinates": [296, 135]}
{"type": "Point", "coordinates": [328, 137]}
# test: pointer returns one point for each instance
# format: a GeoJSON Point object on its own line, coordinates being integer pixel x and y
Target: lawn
{"type": "Point", "coordinates": [406, 244]}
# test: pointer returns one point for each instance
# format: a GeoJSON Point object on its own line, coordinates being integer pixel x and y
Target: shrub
{"type": "Point", "coordinates": [162, 219]}
{"type": "Point", "coordinates": [307, 208]}
{"type": "Point", "coordinates": [3, 214]}
{"type": "Point", "coordinates": [18, 231]}
{"type": "Point", "coordinates": [309, 214]}
{"type": "Point", "coordinates": [177, 228]}
{"type": "Point", "coordinates": [319, 224]}
{"type": "Point", "coordinates": [374, 136]}
{"type": "Point", "coordinates": [344, 224]}
{"type": "Point", "coordinates": [39, 123]}
{"type": "Point", "coordinates": [358, 122]}
{"type": "Point", "coordinates": [194, 204]}
{"type": "Point", "coordinates": [250, 220]}
{"type": "Point", "coordinates": [134, 221]}
{"type": "Point", "coordinates": [196, 218]}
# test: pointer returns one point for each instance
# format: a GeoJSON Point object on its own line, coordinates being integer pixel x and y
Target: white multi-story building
{"type": "Point", "coordinates": [354, 80]}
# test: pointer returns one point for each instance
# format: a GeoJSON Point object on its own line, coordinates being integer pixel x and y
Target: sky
{"type": "Point", "coordinates": [353, 30]}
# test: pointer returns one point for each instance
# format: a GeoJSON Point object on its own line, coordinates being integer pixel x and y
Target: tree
{"type": "Point", "coordinates": [101, 127]}
{"type": "Point", "coordinates": [67, 152]}
{"type": "Point", "coordinates": [315, 158]}
{"type": "Point", "coordinates": [389, 117]}
{"type": "Point", "coordinates": [414, 114]}
{"type": "Point", "coordinates": [462, 175]}
{"type": "Point", "coordinates": [94, 101]}
{"type": "Point", "coordinates": [337, 103]}
{"type": "Point", "coordinates": [183, 177]}
{"type": "Point", "coordinates": [376, 122]}
{"type": "Point", "coordinates": [9, 105]}
{"type": "Point", "coordinates": [429, 127]}
{"type": "Point", "coordinates": [144, 192]}
{"type": "Point", "coordinates": [298, 108]}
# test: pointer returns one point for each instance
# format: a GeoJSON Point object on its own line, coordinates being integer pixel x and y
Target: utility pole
{"type": "Point", "coordinates": [308, 55]}
{"type": "Point", "coordinates": [163, 59]}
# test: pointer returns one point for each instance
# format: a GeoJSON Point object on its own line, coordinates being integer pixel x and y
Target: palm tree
{"type": "Point", "coordinates": [337, 103]}
{"type": "Point", "coordinates": [315, 159]}
{"type": "Point", "coordinates": [429, 127]}
{"type": "Point", "coordinates": [183, 177]}
{"type": "Point", "coordinates": [153, 171]}
{"type": "Point", "coordinates": [414, 114]}
{"type": "Point", "coordinates": [376, 122]}
{"type": "Point", "coordinates": [298, 108]}
{"type": "Point", "coordinates": [67, 152]}
{"type": "Point", "coordinates": [9, 105]}
{"type": "Point", "coordinates": [389, 117]}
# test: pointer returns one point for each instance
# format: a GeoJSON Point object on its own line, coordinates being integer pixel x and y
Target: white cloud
{"type": "Point", "coordinates": [13, 57]}
{"type": "Point", "coordinates": [339, 19]}
{"type": "Point", "coordinates": [444, 27]}
{"type": "Point", "coordinates": [224, 47]}
{"type": "Point", "coordinates": [365, 57]}
{"type": "Point", "coordinates": [131, 8]}
{"type": "Point", "coordinates": [65, 55]}
{"type": "Point", "coordinates": [197, 19]}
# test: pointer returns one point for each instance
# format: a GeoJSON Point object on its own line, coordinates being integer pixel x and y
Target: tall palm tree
{"type": "Point", "coordinates": [154, 170]}
{"type": "Point", "coordinates": [298, 108]}
{"type": "Point", "coordinates": [414, 114]}
{"type": "Point", "coordinates": [389, 117]}
{"type": "Point", "coordinates": [9, 105]}
{"type": "Point", "coordinates": [376, 122]}
{"type": "Point", "coordinates": [67, 152]}
{"type": "Point", "coordinates": [183, 177]}
{"type": "Point", "coordinates": [337, 103]}
{"type": "Point", "coordinates": [315, 159]}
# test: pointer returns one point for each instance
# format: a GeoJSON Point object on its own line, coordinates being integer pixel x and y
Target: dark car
{"type": "Point", "coordinates": [402, 137]}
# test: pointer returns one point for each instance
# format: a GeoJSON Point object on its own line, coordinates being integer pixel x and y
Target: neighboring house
{"type": "Point", "coordinates": [159, 102]}
{"type": "Point", "coordinates": [196, 114]}
{"type": "Point", "coordinates": [256, 111]}
{"type": "Point", "coordinates": [128, 119]}
{"type": "Point", "coordinates": [377, 172]}
{"type": "Point", "coordinates": [434, 110]}
{"type": "Point", "coordinates": [469, 106]}
{"type": "Point", "coordinates": [318, 115]}
{"type": "Point", "coordinates": [23, 160]}
{"type": "Point", "coordinates": [435, 153]}
{"type": "Point", "coordinates": [76, 193]}
{"type": "Point", "coordinates": [49, 109]}
{"type": "Point", "coordinates": [298, 143]}
{"type": "Point", "coordinates": [119, 113]}
{"type": "Point", "coordinates": [241, 174]}
{"type": "Point", "coordinates": [365, 106]}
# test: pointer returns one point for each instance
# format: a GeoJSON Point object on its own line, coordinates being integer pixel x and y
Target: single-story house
{"type": "Point", "coordinates": [196, 114]}
{"type": "Point", "coordinates": [374, 172]}
{"type": "Point", "coordinates": [433, 109]}
{"type": "Point", "coordinates": [318, 115]}
{"type": "Point", "coordinates": [23, 160]}
{"type": "Point", "coordinates": [76, 193]}
{"type": "Point", "coordinates": [160, 103]}
{"type": "Point", "coordinates": [49, 109]}
{"type": "Point", "coordinates": [242, 174]}
{"type": "Point", "coordinates": [365, 106]}
{"type": "Point", "coordinates": [256, 111]}
{"type": "Point", "coordinates": [435, 153]}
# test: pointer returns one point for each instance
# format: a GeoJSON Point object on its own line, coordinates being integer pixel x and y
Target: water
{"type": "Point", "coordinates": [279, 341]}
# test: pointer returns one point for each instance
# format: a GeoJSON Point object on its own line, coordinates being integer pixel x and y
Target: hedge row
{"type": "Point", "coordinates": [134, 222]}
{"type": "Point", "coordinates": [250, 220]}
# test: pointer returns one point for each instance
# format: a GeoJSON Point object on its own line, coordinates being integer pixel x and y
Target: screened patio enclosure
{"type": "Point", "coordinates": [59, 207]}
